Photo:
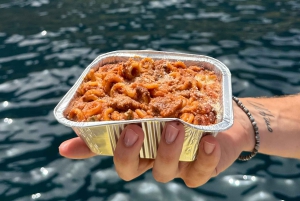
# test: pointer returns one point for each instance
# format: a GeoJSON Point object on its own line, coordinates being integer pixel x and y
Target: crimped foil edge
{"type": "Point", "coordinates": [102, 140]}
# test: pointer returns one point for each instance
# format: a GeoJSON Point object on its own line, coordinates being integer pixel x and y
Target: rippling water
{"type": "Point", "coordinates": [45, 45]}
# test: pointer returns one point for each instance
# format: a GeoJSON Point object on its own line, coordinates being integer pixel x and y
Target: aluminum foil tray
{"type": "Point", "coordinates": [102, 136]}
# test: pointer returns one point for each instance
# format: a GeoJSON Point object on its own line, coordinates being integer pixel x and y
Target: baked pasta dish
{"type": "Point", "coordinates": [145, 88]}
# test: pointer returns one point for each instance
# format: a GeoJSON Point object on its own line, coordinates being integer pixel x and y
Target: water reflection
{"type": "Point", "coordinates": [7, 120]}
{"type": "Point", "coordinates": [239, 180]}
{"type": "Point", "coordinates": [36, 196]}
{"type": "Point", "coordinates": [44, 171]}
{"type": "Point", "coordinates": [260, 196]}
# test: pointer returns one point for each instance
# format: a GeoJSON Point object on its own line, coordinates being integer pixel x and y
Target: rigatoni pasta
{"type": "Point", "coordinates": [145, 88]}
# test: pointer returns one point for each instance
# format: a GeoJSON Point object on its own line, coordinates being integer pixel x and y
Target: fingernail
{"type": "Point", "coordinates": [130, 137]}
{"type": "Point", "coordinates": [64, 145]}
{"type": "Point", "coordinates": [208, 147]}
{"type": "Point", "coordinates": [171, 134]}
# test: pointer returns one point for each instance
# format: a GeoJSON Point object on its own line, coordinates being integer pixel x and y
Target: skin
{"type": "Point", "coordinates": [278, 124]}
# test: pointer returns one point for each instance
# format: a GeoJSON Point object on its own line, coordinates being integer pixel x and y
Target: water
{"type": "Point", "coordinates": [45, 45]}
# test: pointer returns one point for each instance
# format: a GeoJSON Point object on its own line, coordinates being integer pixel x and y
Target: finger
{"type": "Point", "coordinates": [204, 166]}
{"type": "Point", "coordinates": [166, 163]}
{"type": "Point", "coordinates": [75, 148]}
{"type": "Point", "coordinates": [126, 156]}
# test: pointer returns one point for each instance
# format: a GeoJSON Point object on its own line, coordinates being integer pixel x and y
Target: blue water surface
{"type": "Point", "coordinates": [46, 44]}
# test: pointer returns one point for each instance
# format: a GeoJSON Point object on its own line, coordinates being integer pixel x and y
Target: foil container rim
{"type": "Point", "coordinates": [227, 119]}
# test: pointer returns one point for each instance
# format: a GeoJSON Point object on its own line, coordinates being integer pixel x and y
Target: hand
{"type": "Point", "coordinates": [215, 154]}
{"type": "Point", "coordinates": [166, 166]}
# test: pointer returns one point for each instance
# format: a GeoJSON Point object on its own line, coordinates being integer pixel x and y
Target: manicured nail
{"type": "Point", "coordinates": [130, 137]}
{"type": "Point", "coordinates": [208, 147]}
{"type": "Point", "coordinates": [63, 146]}
{"type": "Point", "coordinates": [171, 134]}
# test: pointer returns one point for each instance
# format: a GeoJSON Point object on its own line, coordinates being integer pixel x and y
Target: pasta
{"type": "Point", "coordinates": [146, 88]}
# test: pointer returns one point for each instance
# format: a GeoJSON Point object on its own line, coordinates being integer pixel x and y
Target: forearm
{"type": "Point", "coordinates": [278, 120]}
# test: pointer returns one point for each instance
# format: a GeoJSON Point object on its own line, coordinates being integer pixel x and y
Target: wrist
{"type": "Point", "coordinates": [248, 133]}
{"type": "Point", "coordinates": [277, 120]}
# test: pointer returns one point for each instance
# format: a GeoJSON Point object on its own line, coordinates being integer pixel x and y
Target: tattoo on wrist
{"type": "Point", "coordinates": [264, 112]}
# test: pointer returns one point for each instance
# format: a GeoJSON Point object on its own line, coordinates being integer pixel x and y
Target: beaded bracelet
{"type": "Point", "coordinates": [256, 133]}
